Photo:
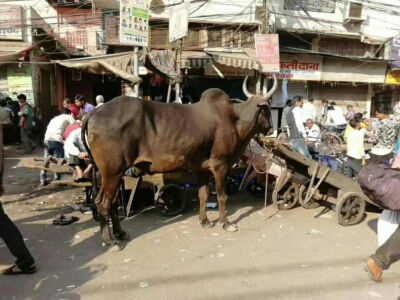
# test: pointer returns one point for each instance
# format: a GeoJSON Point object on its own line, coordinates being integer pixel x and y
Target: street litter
{"type": "Point", "coordinates": [221, 255]}
{"type": "Point", "coordinates": [144, 284]}
{"type": "Point", "coordinates": [71, 286]}
{"type": "Point", "coordinates": [126, 260]}
{"type": "Point", "coordinates": [215, 234]}
{"type": "Point", "coordinates": [375, 294]}
{"type": "Point", "coordinates": [212, 205]}
{"type": "Point", "coordinates": [63, 220]}
{"type": "Point", "coordinates": [315, 232]}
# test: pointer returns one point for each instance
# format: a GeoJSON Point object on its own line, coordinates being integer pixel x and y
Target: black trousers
{"type": "Point", "coordinates": [352, 167]}
{"type": "Point", "coordinates": [389, 252]}
{"type": "Point", "coordinates": [14, 241]}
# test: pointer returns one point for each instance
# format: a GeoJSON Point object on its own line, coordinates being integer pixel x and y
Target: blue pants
{"type": "Point", "coordinates": [300, 146]}
{"type": "Point", "coordinates": [329, 161]}
{"type": "Point", "coordinates": [52, 148]}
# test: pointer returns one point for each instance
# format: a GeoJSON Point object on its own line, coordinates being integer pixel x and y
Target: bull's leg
{"type": "Point", "coordinates": [119, 233]}
{"type": "Point", "coordinates": [104, 200]}
{"type": "Point", "coordinates": [220, 174]}
{"type": "Point", "coordinates": [204, 192]}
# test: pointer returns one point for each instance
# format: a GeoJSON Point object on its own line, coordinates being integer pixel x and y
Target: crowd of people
{"type": "Point", "coordinates": [300, 120]}
{"type": "Point", "coordinates": [62, 140]}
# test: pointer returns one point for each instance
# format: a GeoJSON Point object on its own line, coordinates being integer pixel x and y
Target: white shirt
{"type": "Point", "coordinates": [309, 111]}
{"type": "Point", "coordinates": [298, 118]}
{"type": "Point", "coordinates": [56, 127]}
{"type": "Point", "coordinates": [73, 144]}
{"type": "Point", "coordinates": [313, 134]}
{"type": "Point", "coordinates": [355, 143]}
{"type": "Point", "coordinates": [98, 105]}
{"type": "Point", "coordinates": [335, 117]}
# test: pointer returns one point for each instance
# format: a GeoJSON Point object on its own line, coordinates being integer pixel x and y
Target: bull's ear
{"type": "Point", "coordinates": [264, 104]}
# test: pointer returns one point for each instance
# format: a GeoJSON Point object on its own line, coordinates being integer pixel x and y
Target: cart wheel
{"type": "Point", "coordinates": [288, 199]}
{"type": "Point", "coordinates": [331, 139]}
{"type": "Point", "coordinates": [302, 199]}
{"type": "Point", "coordinates": [350, 209]}
{"type": "Point", "coordinates": [171, 201]}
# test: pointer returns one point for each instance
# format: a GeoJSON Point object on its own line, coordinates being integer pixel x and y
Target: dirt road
{"type": "Point", "coordinates": [291, 255]}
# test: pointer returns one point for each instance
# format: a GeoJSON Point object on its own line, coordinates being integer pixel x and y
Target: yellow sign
{"type": "Point", "coordinates": [393, 77]}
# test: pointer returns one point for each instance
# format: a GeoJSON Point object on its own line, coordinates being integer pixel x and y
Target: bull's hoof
{"type": "Point", "coordinates": [229, 227]}
{"type": "Point", "coordinates": [122, 236]}
{"type": "Point", "coordinates": [206, 224]}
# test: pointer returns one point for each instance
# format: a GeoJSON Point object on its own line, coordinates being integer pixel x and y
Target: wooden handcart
{"type": "Point", "coordinates": [301, 180]}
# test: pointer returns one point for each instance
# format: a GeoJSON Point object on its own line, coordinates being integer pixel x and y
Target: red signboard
{"type": "Point", "coordinates": [267, 49]}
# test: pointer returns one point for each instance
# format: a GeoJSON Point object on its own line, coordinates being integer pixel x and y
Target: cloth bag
{"type": "Point", "coordinates": [388, 222]}
{"type": "Point", "coordinates": [381, 184]}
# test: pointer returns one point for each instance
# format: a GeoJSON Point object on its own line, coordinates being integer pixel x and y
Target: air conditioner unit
{"type": "Point", "coordinates": [354, 13]}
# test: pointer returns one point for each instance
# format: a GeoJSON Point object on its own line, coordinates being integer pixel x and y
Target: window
{"type": "Point", "coordinates": [355, 10]}
{"type": "Point", "coordinates": [324, 6]}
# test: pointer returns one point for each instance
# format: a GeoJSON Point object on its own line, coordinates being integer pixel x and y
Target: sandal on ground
{"type": "Point", "coordinates": [63, 220]}
{"type": "Point", "coordinates": [15, 270]}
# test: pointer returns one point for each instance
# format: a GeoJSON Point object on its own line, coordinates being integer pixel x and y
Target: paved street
{"type": "Point", "coordinates": [291, 255]}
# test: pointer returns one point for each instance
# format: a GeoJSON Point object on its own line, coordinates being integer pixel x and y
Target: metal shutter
{"type": "Point", "coordinates": [343, 95]}
{"type": "Point", "coordinates": [293, 88]}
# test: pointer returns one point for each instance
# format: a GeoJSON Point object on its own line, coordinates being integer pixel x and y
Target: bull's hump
{"type": "Point", "coordinates": [215, 95]}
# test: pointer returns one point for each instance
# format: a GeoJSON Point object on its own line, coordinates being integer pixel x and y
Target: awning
{"type": "Point", "coordinates": [163, 61]}
{"type": "Point", "coordinates": [195, 59]}
{"type": "Point", "coordinates": [12, 51]}
{"type": "Point", "coordinates": [120, 64]}
{"type": "Point", "coordinates": [245, 60]}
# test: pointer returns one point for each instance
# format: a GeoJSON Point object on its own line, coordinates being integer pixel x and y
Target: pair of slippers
{"type": "Point", "coordinates": [63, 220]}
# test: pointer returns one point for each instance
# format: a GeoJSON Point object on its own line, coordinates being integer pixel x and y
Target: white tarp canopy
{"type": "Point", "coordinates": [120, 64]}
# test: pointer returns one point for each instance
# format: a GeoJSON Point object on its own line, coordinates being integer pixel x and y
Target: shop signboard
{"type": "Point", "coordinates": [10, 22]}
{"type": "Point", "coordinates": [300, 67]}
{"type": "Point", "coordinates": [393, 77]}
{"type": "Point", "coordinates": [20, 82]}
{"type": "Point", "coordinates": [134, 22]}
{"type": "Point", "coordinates": [267, 50]}
{"type": "Point", "coordinates": [178, 21]}
{"type": "Point", "coordinates": [227, 71]}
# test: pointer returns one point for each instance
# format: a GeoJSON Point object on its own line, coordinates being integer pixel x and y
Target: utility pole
{"type": "Point", "coordinates": [264, 28]}
{"type": "Point", "coordinates": [178, 51]}
{"type": "Point", "coordinates": [136, 70]}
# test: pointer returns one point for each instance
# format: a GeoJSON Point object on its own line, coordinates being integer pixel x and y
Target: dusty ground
{"type": "Point", "coordinates": [291, 255]}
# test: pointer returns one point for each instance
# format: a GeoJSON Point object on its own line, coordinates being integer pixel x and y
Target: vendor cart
{"type": "Point", "coordinates": [301, 180]}
{"type": "Point", "coordinates": [172, 191]}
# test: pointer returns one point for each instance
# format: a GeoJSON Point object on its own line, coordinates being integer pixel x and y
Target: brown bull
{"type": "Point", "coordinates": [208, 136]}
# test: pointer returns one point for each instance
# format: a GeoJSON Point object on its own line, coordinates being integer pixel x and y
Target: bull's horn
{"type": "Point", "coordinates": [272, 91]}
{"type": "Point", "coordinates": [244, 88]}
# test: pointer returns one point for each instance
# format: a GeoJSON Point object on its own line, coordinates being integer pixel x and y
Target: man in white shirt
{"type": "Point", "coordinates": [309, 111]}
{"type": "Point", "coordinates": [53, 140]}
{"type": "Point", "coordinates": [313, 132]}
{"type": "Point", "coordinates": [77, 156]}
{"type": "Point", "coordinates": [297, 132]}
{"type": "Point", "coordinates": [355, 150]}
{"type": "Point", "coordinates": [99, 100]}
{"type": "Point", "coordinates": [335, 116]}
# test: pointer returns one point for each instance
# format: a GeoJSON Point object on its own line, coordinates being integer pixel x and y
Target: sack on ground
{"type": "Point", "coordinates": [387, 224]}
{"type": "Point", "coordinates": [381, 184]}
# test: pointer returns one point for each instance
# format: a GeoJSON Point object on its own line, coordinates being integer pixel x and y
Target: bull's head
{"type": "Point", "coordinates": [263, 102]}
